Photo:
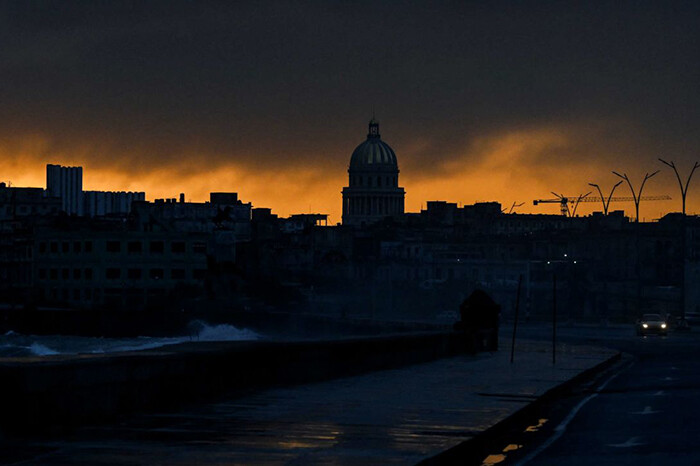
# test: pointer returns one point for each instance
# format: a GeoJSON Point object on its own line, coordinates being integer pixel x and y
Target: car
{"type": "Point", "coordinates": [652, 323]}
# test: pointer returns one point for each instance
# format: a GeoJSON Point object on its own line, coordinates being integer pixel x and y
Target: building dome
{"type": "Point", "coordinates": [373, 192]}
{"type": "Point", "coordinates": [373, 153]}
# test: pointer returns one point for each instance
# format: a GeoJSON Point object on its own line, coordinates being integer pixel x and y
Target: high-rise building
{"type": "Point", "coordinates": [373, 191]}
{"type": "Point", "coordinates": [67, 184]}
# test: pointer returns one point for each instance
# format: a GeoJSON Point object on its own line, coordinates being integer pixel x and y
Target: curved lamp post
{"type": "Point", "coordinates": [636, 197]}
{"type": "Point", "coordinates": [512, 208]}
{"type": "Point", "coordinates": [606, 202]}
{"type": "Point", "coordinates": [684, 189]}
{"type": "Point", "coordinates": [684, 192]}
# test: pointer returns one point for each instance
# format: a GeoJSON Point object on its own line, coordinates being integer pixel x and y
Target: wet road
{"type": "Point", "coordinates": [644, 412]}
{"type": "Point", "coordinates": [387, 417]}
{"type": "Point", "coordinates": [647, 414]}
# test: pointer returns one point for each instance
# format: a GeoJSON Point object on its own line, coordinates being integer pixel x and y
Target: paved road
{"type": "Point", "coordinates": [646, 411]}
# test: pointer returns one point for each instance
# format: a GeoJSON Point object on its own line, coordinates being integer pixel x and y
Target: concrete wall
{"type": "Point", "coordinates": [64, 390]}
{"type": "Point", "coordinates": [274, 325]}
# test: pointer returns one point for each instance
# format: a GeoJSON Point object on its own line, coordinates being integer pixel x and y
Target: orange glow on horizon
{"type": "Point", "coordinates": [517, 166]}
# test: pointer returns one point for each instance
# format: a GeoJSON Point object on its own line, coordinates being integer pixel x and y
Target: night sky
{"type": "Point", "coordinates": [481, 101]}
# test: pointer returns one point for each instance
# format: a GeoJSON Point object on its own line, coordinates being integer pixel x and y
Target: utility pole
{"type": "Point", "coordinates": [606, 202]}
{"type": "Point", "coordinates": [554, 318]}
{"type": "Point", "coordinates": [515, 319]}
{"type": "Point", "coordinates": [637, 197]}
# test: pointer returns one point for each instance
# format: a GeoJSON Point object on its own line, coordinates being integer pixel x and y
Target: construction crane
{"type": "Point", "coordinates": [564, 201]}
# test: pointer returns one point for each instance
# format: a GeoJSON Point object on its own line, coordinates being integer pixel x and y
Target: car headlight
{"type": "Point", "coordinates": [663, 325]}
{"type": "Point", "coordinates": [645, 325]}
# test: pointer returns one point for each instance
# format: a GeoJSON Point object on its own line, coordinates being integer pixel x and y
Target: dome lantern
{"type": "Point", "coordinates": [373, 129]}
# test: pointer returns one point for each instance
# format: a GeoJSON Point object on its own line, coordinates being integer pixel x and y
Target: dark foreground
{"type": "Point", "coordinates": [397, 416]}
{"type": "Point", "coordinates": [643, 411]}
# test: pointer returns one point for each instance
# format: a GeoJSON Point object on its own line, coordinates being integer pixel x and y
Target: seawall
{"type": "Point", "coordinates": [64, 390]}
{"type": "Point", "coordinates": [284, 324]}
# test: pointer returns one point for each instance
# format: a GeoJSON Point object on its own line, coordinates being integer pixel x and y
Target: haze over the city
{"type": "Point", "coordinates": [493, 101]}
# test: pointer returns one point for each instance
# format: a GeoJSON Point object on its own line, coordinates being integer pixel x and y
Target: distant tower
{"type": "Point", "coordinates": [373, 191]}
{"type": "Point", "coordinates": [66, 183]}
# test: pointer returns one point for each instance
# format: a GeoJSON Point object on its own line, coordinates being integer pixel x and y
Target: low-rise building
{"type": "Point", "coordinates": [18, 203]}
{"type": "Point", "coordinates": [106, 265]}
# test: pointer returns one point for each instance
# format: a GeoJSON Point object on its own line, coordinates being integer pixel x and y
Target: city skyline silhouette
{"type": "Point", "coordinates": [480, 102]}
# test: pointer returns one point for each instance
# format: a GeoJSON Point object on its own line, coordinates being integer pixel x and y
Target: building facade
{"type": "Point", "coordinates": [100, 203]}
{"type": "Point", "coordinates": [103, 267]}
{"type": "Point", "coordinates": [18, 203]}
{"type": "Point", "coordinates": [373, 191]}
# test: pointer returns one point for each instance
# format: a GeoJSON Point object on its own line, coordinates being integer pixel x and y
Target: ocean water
{"type": "Point", "coordinates": [14, 344]}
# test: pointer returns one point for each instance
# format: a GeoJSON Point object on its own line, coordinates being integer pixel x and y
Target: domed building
{"type": "Point", "coordinates": [373, 191]}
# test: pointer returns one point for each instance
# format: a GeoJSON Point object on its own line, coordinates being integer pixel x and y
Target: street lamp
{"type": "Point", "coordinates": [510, 211]}
{"type": "Point", "coordinates": [606, 203]}
{"type": "Point", "coordinates": [578, 201]}
{"type": "Point", "coordinates": [684, 190]}
{"type": "Point", "coordinates": [636, 197]}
